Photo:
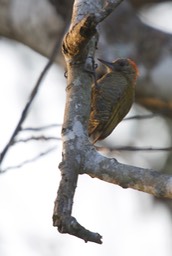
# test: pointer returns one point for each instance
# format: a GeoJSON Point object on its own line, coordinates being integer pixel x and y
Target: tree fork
{"type": "Point", "coordinates": [78, 48]}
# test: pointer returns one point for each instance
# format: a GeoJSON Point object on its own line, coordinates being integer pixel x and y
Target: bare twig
{"type": "Point", "coordinates": [38, 129]}
{"type": "Point", "coordinates": [131, 148]}
{"type": "Point", "coordinates": [28, 104]}
{"type": "Point", "coordinates": [50, 126]}
{"type": "Point", "coordinates": [140, 117]}
{"type": "Point", "coordinates": [29, 160]}
{"type": "Point", "coordinates": [98, 148]}
{"type": "Point", "coordinates": [33, 138]}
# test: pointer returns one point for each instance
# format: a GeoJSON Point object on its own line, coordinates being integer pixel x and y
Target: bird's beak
{"type": "Point", "coordinates": [106, 63]}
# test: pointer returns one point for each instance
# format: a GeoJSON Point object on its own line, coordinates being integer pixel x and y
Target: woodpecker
{"type": "Point", "coordinates": [111, 97]}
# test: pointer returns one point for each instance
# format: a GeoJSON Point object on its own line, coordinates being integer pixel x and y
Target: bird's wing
{"type": "Point", "coordinates": [115, 104]}
{"type": "Point", "coordinates": [118, 112]}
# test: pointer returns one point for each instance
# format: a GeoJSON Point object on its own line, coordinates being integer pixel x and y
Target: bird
{"type": "Point", "coordinates": [111, 97]}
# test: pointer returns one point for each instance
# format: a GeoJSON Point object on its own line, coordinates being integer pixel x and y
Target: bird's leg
{"type": "Point", "coordinates": [90, 67]}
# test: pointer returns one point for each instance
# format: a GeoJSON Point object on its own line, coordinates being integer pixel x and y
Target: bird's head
{"type": "Point", "coordinates": [126, 66]}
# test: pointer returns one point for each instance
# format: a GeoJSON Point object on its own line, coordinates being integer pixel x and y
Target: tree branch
{"type": "Point", "coordinates": [163, 107]}
{"type": "Point", "coordinates": [38, 19]}
{"type": "Point", "coordinates": [78, 48]}
{"type": "Point", "coordinates": [79, 156]}
{"type": "Point", "coordinates": [127, 176]}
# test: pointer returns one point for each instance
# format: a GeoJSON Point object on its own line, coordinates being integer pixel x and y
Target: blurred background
{"type": "Point", "coordinates": [131, 222]}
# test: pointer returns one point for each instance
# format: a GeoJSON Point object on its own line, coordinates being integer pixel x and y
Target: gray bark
{"type": "Point", "coordinates": [79, 155]}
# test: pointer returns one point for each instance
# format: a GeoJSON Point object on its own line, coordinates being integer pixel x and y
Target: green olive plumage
{"type": "Point", "coordinates": [112, 97]}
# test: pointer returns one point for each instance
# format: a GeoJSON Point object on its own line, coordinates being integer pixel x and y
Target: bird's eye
{"type": "Point", "coordinates": [122, 63]}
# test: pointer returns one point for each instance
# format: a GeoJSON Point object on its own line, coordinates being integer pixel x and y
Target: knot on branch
{"type": "Point", "coordinates": [76, 39]}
